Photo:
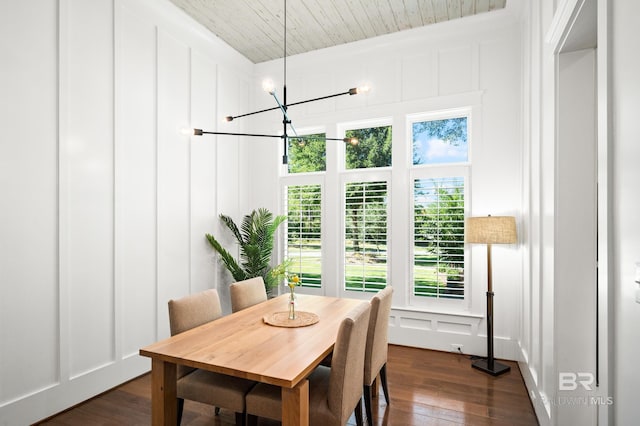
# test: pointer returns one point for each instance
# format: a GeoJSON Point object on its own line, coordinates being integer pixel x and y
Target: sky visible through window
{"type": "Point", "coordinates": [440, 141]}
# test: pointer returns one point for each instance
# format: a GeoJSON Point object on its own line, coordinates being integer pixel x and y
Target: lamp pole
{"type": "Point", "coordinates": [490, 365]}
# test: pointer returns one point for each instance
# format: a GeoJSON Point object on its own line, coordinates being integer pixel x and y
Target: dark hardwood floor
{"type": "Point", "coordinates": [426, 388]}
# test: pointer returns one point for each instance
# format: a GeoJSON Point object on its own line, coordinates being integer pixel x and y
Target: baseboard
{"type": "Point", "coordinates": [536, 397]}
{"type": "Point", "coordinates": [47, 402]}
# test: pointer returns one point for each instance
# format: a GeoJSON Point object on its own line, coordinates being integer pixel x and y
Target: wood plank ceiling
{"type": "Point", "coordinates": [255, 27]}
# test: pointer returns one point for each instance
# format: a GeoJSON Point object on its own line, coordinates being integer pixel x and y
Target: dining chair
{"type": "Point", "coordinates": [334, 393]}
{"type": "Point", "coordinates": [375, 356]}
{"type": "Point", "coordinates": [247, 293]}
{"type": "Point", "coordinates": [198, 385]}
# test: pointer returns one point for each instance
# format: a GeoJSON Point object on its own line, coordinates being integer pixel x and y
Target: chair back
{"type": "Point", "coordinates": [192, 311]}
{"type": "Point", "coordinates": [377, 335]}
{"type": "Point", "coordinates": [347, 364]}
{"type": "Point", "coordinates": [247, 293]}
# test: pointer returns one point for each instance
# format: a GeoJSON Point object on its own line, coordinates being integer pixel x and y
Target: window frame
{"type": "Point", "coordinates": [358, 176]}
{"type": "Point", "coordinates": [425, 301]}
{"type": "Point", "coordinates": [300, 179]}
{"type": "Point", "coordinates": [429, 171]}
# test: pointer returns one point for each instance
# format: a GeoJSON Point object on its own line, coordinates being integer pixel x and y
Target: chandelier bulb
{"type": "Point", "coordinates": [359, 90]}
{"type": "Point", "coordinates": [228, 118]}
{"type": "Point", "coordinates": [268, 86]}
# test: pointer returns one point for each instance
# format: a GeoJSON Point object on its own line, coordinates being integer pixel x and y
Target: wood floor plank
{"type": "Point", "coordinates": [426, 388]}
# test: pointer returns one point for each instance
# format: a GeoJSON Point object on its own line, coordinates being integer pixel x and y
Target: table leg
{"type": "Point", "coordinates": [164, 405]}
{"type": "Point", "coordinates": [295, 405]}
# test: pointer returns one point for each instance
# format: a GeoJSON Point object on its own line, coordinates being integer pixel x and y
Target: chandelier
{"type": "Point", "coordinates": [287, 126]}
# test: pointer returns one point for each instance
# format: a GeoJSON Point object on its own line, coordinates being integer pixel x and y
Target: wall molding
{"type": "Point", "coordinates": [439, 331]}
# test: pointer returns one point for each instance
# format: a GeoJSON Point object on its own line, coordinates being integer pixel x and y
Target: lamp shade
{"type": "Point", "coordinates": [491, 230]}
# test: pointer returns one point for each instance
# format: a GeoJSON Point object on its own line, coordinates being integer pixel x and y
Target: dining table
{"type": "Point", "coordinates": [246, 344]}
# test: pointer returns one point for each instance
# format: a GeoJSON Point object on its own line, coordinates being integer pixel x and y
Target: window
{"type": "Point", "coordinates": [304, 242]}
{"type": "Point", "coordinates": [365, 255]}
{"type": "Point", "coordinates": [438, 237]}
{"type": "Point", "coordinates": [308, 154]}
{"type": "Point", "coordinates": [440, 141]}
{"type": "Point", "coordinates": [372, 150]}
{"type": "Point", "coordinates": [337, 197]}
{"type": "Point", "coordinates": [440, 157]}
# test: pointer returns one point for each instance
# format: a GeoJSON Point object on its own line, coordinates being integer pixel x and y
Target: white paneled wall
{"type": "Point", "coordinates": [105, 203]}
{"type": "Point", "coordinates": [136, 179]}
{"type": "Point", "coordinates": [173, 173]}
{"type": "Point", "coordinates": [625, 151]}
{"type": "Point", "coordinates": [29, 286]}
{"type": "Point", "coordinates": [86, 183]}
{"type": "Point", "coordinates": [475, 64]}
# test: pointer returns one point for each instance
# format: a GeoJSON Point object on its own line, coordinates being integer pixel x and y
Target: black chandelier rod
{"type": "Point", "coordinates": [352, 91]}
{"type": "Point", "coordinates": [200, 132]}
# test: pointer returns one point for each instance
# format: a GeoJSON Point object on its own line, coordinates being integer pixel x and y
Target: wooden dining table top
{"type": "Point", "coordinates": [243, 345]}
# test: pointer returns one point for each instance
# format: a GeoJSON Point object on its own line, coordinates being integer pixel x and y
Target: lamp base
{"type": "Point", "coordinates": [483, 365]}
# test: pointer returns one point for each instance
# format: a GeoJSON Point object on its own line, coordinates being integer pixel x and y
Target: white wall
{"type": "Point", "coordinates": [625, 151]}
{"type": "Point", "coordinates": [566, 122]}
{"type": "Point", "coordinates": [475, 63]}
{"type": "Point", "coordinates": [576, 231]}
{"type": "Point", "coordinates": [105, 204]}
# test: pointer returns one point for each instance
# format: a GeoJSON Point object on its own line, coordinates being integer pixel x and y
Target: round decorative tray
{"type": "Point", "coordinates": [281, 319]}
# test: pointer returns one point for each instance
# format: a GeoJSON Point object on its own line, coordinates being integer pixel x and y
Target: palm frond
{"type": "Point", "coordinates": [232, 226]}
{"type": "Point", "coordinates": [232, 266]}
{"type": "Point", "coordinates": [255, 238]}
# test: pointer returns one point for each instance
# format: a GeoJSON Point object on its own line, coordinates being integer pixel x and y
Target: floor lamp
{"type": "Point", "coordinates": [490, 230]}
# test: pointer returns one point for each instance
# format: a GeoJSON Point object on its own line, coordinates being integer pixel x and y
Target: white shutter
{"type": "Point", "coordinates": [303, 248]}
{"type": "Point", "coordinates": [365, 237]}
{"type": "Point", "coordinates": [438, 269]}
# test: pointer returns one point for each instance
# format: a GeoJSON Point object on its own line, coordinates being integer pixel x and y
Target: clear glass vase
{"type": "Point", "coordinates": [292, 304]}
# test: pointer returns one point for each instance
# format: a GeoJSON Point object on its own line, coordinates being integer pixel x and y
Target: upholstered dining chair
{"type": "Point", "coordinates": [198, 385]}
{"type": "Point", "coordinates": [375, 356]}
{"type": "Point", "coordinates": [334, 393]}
{"type": "Point", "coordinates": [247, 293]}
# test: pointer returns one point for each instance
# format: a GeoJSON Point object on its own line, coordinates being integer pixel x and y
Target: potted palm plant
{"type": "Point", "coordinates": [256, 240]}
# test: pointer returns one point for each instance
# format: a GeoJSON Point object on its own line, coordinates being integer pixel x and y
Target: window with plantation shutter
{"type": "Point", "coordinates": [438, 216]}
{"type": "Point", "coordinates": [365, 237]}
{"type": "Point", "coordinates": [304, 244]}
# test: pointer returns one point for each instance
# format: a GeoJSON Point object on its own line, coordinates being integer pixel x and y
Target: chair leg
{"type": "Point", "coordinates": [216, 410]}
{"type": "Point", "coordinates": [358, 413]}
{"type": "Point", "coordinates": [383, 379]}
{"type": "Point", "coordinates": [241, 419]}
{"type": "Point", "coordinates": [374, 387]}
{"type": "Point", "coordinates": [367, 404]}
{"type": "Point", "coordinates": [252, 420]}
{"type": "Point", "coordinates": [180, 409]}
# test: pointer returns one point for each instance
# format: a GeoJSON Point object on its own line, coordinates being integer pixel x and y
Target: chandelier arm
{"type": "Point", "coordinates": [233, 117]}
{"type": "Point", "coordinates": [319, 99]}
{"type": "Point", "coordinates": [199, 132]}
